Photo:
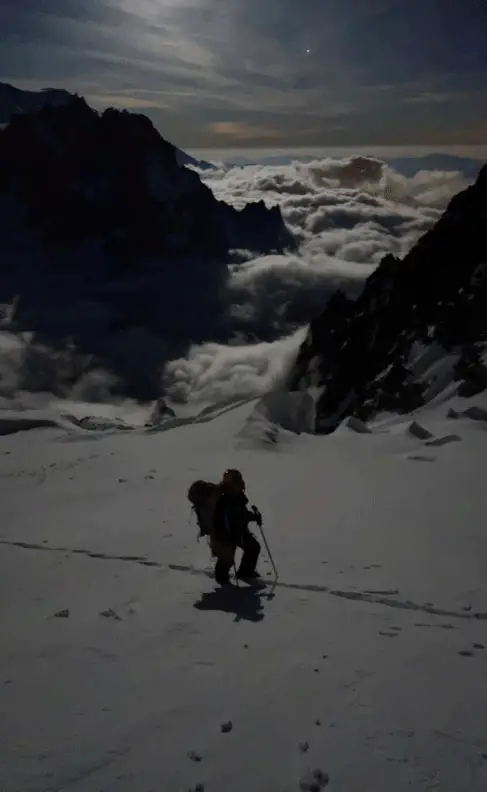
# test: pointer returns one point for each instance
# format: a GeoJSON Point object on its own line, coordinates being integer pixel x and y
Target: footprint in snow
{"type": "Point", "coordinates": [440, 441]}
{"type": "Point", "coordinates": [226, 727]}
{"type": "Point", "coordinates": [314, 781]}
{"type": "Point", "coordinates": [303, 746]}
{"type": "Point", "coordinates": [478, 646]}
{"type": "Point", "coordinates": [109, 613]}
{"type": "Point", "coordinates": [418, 431]}
{"type": "Point", "coordinates": [476, 413]}
{"type": "Point", "coordinates": [195, 757]}
{"type": "Point", "coordinates": [62, 614]}
{"type": "Point", "coordinates": [447, 626]}
{"type": "Point", "coordinates": [466, 653]}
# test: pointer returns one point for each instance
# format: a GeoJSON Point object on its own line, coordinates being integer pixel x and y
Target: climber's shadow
{"type": "Point", "coordinates": [244, 601]}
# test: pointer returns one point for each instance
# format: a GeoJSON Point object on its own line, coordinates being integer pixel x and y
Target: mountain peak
{"type": "Point", "coordinates": [120, 235]}
{"type": "Point", "coordinates": [14, 101]}
{"type": "Point", "coordinates": [110, 165]}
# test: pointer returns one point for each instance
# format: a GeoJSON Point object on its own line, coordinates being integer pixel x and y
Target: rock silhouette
{"type": "Point", "coordinates": [360, 353]}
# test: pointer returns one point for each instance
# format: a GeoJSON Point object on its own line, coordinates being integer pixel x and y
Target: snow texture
{"type": "Point", "coordinates": [124, 668]}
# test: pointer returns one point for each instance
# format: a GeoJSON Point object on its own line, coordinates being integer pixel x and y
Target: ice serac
{"type": "Point", "coordinates": [417, 321]}
{"type": "Point", "coordinates": [106, 233]}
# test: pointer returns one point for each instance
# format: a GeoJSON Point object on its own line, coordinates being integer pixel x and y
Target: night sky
{"type": "Point", "coordinates": [271, 73]}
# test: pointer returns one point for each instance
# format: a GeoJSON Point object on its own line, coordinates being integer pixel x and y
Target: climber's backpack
{"type": "Point", "coordinates": [203, 496]}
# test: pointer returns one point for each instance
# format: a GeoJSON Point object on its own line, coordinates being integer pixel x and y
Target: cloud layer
{"type": "Point", "coordinates": [347, 215]}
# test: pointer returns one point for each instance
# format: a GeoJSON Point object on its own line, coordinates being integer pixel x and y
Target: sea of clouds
{"type": "Point", "coordinates": [346, 213]}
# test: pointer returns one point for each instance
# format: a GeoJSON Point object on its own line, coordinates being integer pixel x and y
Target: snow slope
{"type": "Point", "coordinates": [366, 661]}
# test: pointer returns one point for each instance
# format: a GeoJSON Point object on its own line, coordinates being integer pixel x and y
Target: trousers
{"type": "Point", "coordinates": [225, 554]}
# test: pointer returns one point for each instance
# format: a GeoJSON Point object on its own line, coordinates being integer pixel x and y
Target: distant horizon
{"type": "Point", "coordinates": [250, 153]}
{"type": "Point", "coordinates": [385, 152]}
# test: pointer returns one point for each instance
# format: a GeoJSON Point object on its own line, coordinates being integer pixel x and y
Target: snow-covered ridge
{"type": "Point", "coordinates": [365, 662]}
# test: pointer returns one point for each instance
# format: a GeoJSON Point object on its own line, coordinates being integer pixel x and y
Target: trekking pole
{"type": "Point", "coordinates": [234, 564]}
{"type": "Point", "coordinates": [259, 523]}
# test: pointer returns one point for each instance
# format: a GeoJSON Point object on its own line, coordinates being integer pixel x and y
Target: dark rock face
{"type": "Point", "coordinates": [107, 234]}
{"type": "Point", "coordinates": [14, 101]}
{"type": "Point", "coordinates": [359, 352]}
{"type": "Point", "coordinates": [114, 178]}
